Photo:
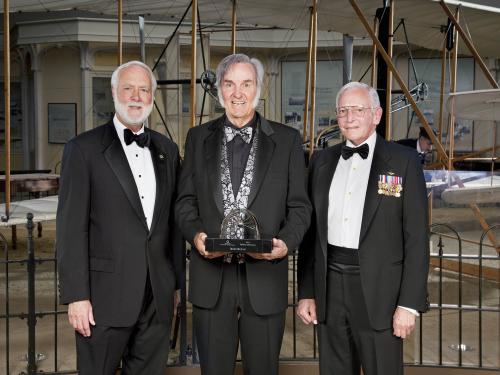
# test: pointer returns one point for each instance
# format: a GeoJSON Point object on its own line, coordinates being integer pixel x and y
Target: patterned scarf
{"type": "Point", "coordinates": [241, 200]}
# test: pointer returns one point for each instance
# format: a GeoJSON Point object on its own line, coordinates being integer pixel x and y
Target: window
{"type": "Point", "coordinates": [429, 72]}
{"type": "Point", "coordinates": [102, 101]}
{"type": "Point", "coordinates": [328, 82]}
{"type": "Point", "coordinates": [16, 117]}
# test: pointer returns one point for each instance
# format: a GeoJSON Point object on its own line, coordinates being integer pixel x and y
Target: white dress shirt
{"type": "Point", "coordinates": [346, 199]}
{"type": "Point", "coordinates": [141, 165]}
{"type": "Point", "coordinates": [419, 150]}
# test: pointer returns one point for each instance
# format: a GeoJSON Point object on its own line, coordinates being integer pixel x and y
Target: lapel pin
{"type": "Point", "coordinates": [161, 157]}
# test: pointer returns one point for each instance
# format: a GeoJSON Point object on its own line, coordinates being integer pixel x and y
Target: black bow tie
{"type": "Point", "coordinates": [142, 139]}
{"type": "Point", "coordinates": [362, 150]}
{"type": "Point", "coordinates": [244, 133]}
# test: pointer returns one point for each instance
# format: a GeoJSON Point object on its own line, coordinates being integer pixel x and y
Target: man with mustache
{"type": "Point", "coordinates": [241, 161]}
{"type": "Point", "coordinates": [119, 256]}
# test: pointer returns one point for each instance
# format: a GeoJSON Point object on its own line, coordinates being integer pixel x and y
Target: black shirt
{"type": "Point", "coordinates": [237, 153]}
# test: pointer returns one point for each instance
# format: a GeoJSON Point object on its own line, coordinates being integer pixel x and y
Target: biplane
{"type": "Point", "coordinates": [384, 28]}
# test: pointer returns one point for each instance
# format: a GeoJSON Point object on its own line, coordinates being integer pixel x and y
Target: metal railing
{"type": "Point", "coordinates": [423, 342]}
{"type": "Point", "coordinates": [455, 271]}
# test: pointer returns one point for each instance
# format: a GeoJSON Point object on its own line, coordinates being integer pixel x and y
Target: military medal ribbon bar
{"type": "Point", "coordinates": [390, 185]}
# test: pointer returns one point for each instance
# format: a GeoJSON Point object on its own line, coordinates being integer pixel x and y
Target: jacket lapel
{"type": "Point", "coordinates": [115, 157]}
{"type": "Point", "coordinates": [321, 193]}
{"type": "Point", "coordinates": [212, 152]}
{"type": "Point", "coordinates": [163, 176]}
{"type": "Point", "coordinates": [372, 199]}
{"type": "Point", "coordinates": [265, 150]}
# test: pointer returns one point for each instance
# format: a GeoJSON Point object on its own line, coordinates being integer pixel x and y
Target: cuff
{"type": "Point", "coordinates": [414, 312]}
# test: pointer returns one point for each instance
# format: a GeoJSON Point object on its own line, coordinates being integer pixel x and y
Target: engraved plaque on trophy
{"type": "Point", "coordinates": [239, 234]}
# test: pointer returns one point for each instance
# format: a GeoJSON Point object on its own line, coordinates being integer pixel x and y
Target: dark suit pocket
{"type": "Point", "coordinates": [101, 264]}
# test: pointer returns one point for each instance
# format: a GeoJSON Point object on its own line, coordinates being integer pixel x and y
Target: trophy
{"type": "Point", "coordinates": [239, 234]}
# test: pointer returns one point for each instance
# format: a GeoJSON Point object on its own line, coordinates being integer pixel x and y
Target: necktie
{"type": "Point", "coordinates": [142, 139]}
{"type": "Point", "coordinates": [362, 150]}
{"type": "Point", "coordinates": [244, 133]}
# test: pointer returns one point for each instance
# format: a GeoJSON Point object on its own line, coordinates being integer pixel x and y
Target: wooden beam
{"type": "Point", "coordinates": [469, 45]}
{"type": "Point", "coordinates": [308, 75]}
{"type": "Point", "coordinates": [6, 95]}
{"type": "Point", "coordinates": [373, 76]}
{"type": "Point", "coordinates": [453, 88]}
{"type": "Point", "coordinates": [464, 157]}
{"type": "Point", "coordinates": [489, 273]}
{"type": "Point", "coordinates": [441, 91]}
{"type": "Point", "coordinates": [404, 88]}
{"type": "Point", "coordinates": [120, 32]}
{"type": "Point", "coordinates": [430, 205]}
{"type": "Point", "coordinates": [388, 92]}
{"type": "Point", "coordinates": [312, 113]}
{"type": "Point", "coordinates": [194, 21]}
{"type": "Point", "coordinates": [233, 29]}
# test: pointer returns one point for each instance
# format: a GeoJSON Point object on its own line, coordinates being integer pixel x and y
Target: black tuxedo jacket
{"type": "Point", "coordinates": [393, 245]}
{"type": "Point", "coordinates": [104, 246]}
{"type": "Point", "coordinates": [409, 142]}
{"type": "Point", "coordinates": [278, 198]}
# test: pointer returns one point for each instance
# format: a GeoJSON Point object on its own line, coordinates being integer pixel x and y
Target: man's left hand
{"type": "Point", "coordinates": [279, 251]}
{"type": "Point", "coordinates": [403, 322]}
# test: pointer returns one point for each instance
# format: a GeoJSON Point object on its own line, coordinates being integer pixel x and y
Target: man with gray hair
{"type": "Point", "coordinates": [119, 256]}
{"type": "Point", "coordinates": [241, 161]}
{"type": "Point", "coordinates": [362, 267]}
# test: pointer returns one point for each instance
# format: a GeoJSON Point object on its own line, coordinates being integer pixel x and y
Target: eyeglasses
{"type": "Point", "coordinates": [357, 111]}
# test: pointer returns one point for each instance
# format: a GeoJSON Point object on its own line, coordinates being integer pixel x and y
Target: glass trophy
{"type": "Point", "coordinates": [239, 234]}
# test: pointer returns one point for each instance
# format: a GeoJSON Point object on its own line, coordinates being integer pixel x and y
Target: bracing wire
{"type": "Point", "coordinates": [172, 35]}
{"type": "Point", "coordinates": [201, 40]}
{"type": "Point", "coordinates": [409, 51]}
{"type": "Point", "coordinates": [87, 62]}
{"type": "Point", "coordinates": [291, 31]}
{"type": "Point", "coordinates": [162, 17]}
{"type": "Point", "coordinates": [204, 65]}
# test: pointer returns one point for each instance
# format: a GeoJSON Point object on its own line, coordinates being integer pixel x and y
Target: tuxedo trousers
{"type": "Point", "coordinates": [347, 342]}
{"type": "Point", "coordinates": [142, 348]}
{"type": "Point", "coordinates": [233, 320]}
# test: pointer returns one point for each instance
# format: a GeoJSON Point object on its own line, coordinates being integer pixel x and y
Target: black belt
{"type": "Point", "coordinates": [342, 255]}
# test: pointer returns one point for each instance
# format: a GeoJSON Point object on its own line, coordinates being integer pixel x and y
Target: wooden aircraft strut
{"type": "Point", "coordinates": [397, 76]}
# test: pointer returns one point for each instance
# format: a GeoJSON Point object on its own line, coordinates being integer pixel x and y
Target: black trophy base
{"type": "Point", "coordinates": [238, 246]}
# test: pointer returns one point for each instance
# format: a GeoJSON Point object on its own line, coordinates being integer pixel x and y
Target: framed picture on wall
{"type": "Point", "coordinates": [61, 122]}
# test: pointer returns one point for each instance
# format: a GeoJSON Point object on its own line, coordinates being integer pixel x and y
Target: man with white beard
{"type": "Point", "coordinates": [119, 257]}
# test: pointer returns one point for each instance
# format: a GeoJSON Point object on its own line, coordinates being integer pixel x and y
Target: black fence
{"type": "Point", "coordinates": [460, 330]}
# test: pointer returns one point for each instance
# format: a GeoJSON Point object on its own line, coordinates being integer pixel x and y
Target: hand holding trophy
{"type": "Point", "coordinates": [239, 234]}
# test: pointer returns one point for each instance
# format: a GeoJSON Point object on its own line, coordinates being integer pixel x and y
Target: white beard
{"type": "Point", "coordinates": [121, 110]}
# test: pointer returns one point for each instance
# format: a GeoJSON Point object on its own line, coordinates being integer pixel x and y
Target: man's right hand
{"type": "Point", "coordinates": [199, 242]}
{"type": "Point", "coordinates": [80, 316]}
{"type": "Point", "coordinates": [306, 311]}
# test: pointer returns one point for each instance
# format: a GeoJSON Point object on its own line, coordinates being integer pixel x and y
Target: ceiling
{"type": "Point", "coordinates": [423, 18]}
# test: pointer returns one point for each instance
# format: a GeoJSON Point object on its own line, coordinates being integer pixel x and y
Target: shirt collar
{"type": "Point", "coordinates": [370, 141]}
{"type": "Point", "coordinates": [419, 150]}
{"type": "Point", "coordinates": [120, 128]}
{"type": "Point", "coordinates": [252, 123]}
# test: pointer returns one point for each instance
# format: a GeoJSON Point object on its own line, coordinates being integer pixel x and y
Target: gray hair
{"type": "Point", "coordinates": [115, 77]}
{"type": "Point", "coordinates": [226, 64]}
{"type": "Point", "coordinates": [372, 93]}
